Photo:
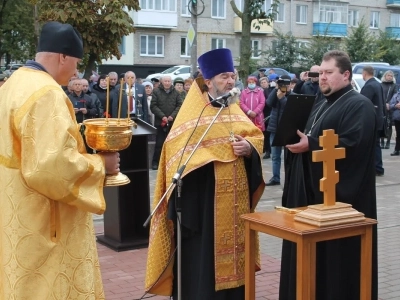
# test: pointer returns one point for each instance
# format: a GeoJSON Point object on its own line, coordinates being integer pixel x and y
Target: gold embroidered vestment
{"type": "Point", "coordinates": [231, 189]}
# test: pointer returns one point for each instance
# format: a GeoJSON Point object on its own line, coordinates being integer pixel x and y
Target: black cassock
{"type": "Point", "coordinates": [352, 116]}
{"type": "Point", "coordinates": [197, 198]}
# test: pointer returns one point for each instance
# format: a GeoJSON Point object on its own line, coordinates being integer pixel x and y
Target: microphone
{"type": "Point", "coordinates": [233, 94]}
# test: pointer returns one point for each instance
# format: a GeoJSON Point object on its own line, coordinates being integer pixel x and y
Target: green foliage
{"type": "Point", "coordinates": [361, 44]}
{"type": "Point", "coordinates": [17, 33]}
{"type": "Point", "coordinates": [389, 48]}
{"type": "Point", "coordinates": [284, 52]}
{"type": "Point", "coordinates": [252, 10]}
{"type": "Point", "coordinates": [312, 53]}
{"type": "Point", "coordinates": [102, 24]}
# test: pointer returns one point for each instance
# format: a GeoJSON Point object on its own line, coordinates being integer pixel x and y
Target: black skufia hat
{"type": "Point", "coordinates": [60, 38]}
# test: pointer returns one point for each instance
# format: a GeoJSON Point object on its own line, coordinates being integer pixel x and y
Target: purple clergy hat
{"type": "Point", "coordinates": [215, 62]}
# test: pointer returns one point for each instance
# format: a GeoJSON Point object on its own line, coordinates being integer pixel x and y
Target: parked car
{"type": "Point", "coordinates": [359, 82]}
{"type": "Point", "coordinates": [370, 63]}
{"type": "Point", "coordinates": [12, 69]}
{"type": "Point", "coordinates": [182, 71]}
{"type": "Point", "coordinates": [379, 70]}
{"type": "Point", "coordinates": [278, 71]}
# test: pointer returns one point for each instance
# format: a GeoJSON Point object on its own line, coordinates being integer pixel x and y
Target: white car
{"type": "Point", "coordinates": [182, 71]}
{"type": "Point", "coordinates": [358, 82]}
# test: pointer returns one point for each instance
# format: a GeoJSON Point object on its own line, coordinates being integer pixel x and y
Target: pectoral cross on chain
{"type": "Point", "coordinates": [328, 155]}
{"type": "Point", "coordinates": [232, 137]}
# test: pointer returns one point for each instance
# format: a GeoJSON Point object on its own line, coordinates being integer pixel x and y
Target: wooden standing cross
{"type": "Point", "coordinates": [328, 155]}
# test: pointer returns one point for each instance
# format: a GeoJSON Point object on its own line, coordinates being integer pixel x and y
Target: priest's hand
{"type": "Point", "coordinates": [241, 147]}
{"type": "Point", "coordinates": [111, 162]}
{"type": "Point", "coordinates": [301, 146]}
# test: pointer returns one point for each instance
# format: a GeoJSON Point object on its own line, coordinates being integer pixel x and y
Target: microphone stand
{"type": "Point", "coordinates": [176, 180]}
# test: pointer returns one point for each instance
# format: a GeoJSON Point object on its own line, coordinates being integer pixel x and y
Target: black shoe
{"type": "Point", "coordinates": [154, 166]}
{"type": "Point", "coordinates": [395, 153]}
{"type": "Point", "coordinates": [379, 174]}
{"type": "Point", "coordinates": [387, 146]}
{"type": "Point", "coordinates": [272, 182]}
{"type": "Point", "coordinates": [266, 155]}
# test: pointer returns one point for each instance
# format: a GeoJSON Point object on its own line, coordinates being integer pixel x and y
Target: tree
{"type": "Point", "coordinates": [314, 51]}
{"type": "Point", "coordinates": [102, 24]}
{"type": "Point", "coordinates": [284, 52]}
{"type": "Point", "coordinates": [361, 44]}
{"type": "Point", "coordinates": [389, 48]}
{"type": "Point", "coordinates": [252, 10]}
{"type": "Point", "coordinates": [17, 34]}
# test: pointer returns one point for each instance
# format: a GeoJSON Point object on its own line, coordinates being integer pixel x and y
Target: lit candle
{"type": "Point", "coordinates": [108, 97]}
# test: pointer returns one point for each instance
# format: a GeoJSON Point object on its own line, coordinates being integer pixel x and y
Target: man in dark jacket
{"type": "Point", "coordinates": [97, 102]}
{"type": "Point", "coordinates": [84, 105]}
{"type": "Point", "coordinates": [277, 101]}
{"type": "Point", "coordinates": [373, 91]}
{"type": "Point", "coordinates": [309, 85]}
{"type": "Point", "coordinates": [165, 105]}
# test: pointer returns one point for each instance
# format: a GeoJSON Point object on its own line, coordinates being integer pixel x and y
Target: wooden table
{"type": "Point", "coordinates": [282, 225]}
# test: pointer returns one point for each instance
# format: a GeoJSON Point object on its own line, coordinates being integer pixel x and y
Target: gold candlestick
{"type": "Point", "coordinates": [120, 98]}
{"type": "Point", "coordinates": [129, 95]}
{"type": "Point", "coordinates": [107, 98]}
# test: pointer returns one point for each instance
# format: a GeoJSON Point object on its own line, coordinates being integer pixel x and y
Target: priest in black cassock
{"type": "Point", "coordinates": [353, 118]}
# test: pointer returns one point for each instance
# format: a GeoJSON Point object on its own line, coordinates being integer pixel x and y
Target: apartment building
{"type": "Point", "coordinates": [160, 40]}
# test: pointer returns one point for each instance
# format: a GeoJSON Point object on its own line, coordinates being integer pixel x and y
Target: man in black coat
{"type": "Point", "coordinates": [84, 105]}
{"type": "Point", "coordinates": [352, 116]}
{"type": "Point", "coordinates": [309, 85]}
{"type": "Point", "coordinates": [165, 104]}
{"type": "Point", "coordinates": [373, 90]}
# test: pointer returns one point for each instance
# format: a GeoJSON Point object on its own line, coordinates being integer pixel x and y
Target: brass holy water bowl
{"type": "Point", "coordinates": [110, 135]}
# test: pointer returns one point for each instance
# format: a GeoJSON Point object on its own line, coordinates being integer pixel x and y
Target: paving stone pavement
{"type": "Point", "coordinates": [123, 272]}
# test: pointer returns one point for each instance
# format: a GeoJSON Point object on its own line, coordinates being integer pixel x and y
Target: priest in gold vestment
{"type": "Point", "coordinates": [221, 181]}
{"type": "Point", "coordinates": [49, 185]}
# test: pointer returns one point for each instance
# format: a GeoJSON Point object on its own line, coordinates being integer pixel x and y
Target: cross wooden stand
{"type": "Point", "coordinates": [330, 212]}
{"type": "Point", "coordinates": [329, 221]}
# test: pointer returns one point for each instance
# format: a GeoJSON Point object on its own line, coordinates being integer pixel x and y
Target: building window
{"type": "Point", "coordinates": [152, 45]}
{"type": "Point", "coordinates": [333, 12]}
{"type": "Point", "coordinates": [217, 43]}
{"type": "Point", "coordinates": [394, 20]}
{"type": "Point", "coordinates": [160, 5]}
{"type": "Point", "coordinates": [301, 14]}
{"type": "Point", "coordinates": [255, 49]}
{"type": "Point", "coordinates": [185, 47]}
{"type": "Point", "coordinates": [218, 9]}
{"type": "Point", "coordinates": [374, 19]}
{"type": "Point", "coordinates": [121, 46]}
{"type": "Point", "coordinates": [280, 13]}
{"type": "Point", "coordinates": [353, 18]}
{"type": "Point", "coordinates": [184, 9]}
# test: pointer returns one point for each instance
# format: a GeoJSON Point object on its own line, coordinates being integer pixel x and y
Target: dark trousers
{"type": "Point", "coordinates": [378, 155]}
{"type": "Point", "coordinates": [161, 135]}
{"type": "Point", "coordinates": [397, 127]}
{"type": "Point", "coordinates": [267, 145]}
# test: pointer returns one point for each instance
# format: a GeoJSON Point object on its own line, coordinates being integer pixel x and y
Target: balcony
{"type": "Point", "coordinates": [393, 32]}
{"type": "Point", "coordinates": [155, 19]}
{"type": "Point", "coordinates": [330, 29]}
{"type": "Point", "coordinates": [264, 28]}
{"type": "Point", "coordinates": [393, 3]}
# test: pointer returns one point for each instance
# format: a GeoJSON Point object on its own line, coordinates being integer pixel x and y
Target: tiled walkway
{"type": "Point", "coordinates": [123, 272]}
